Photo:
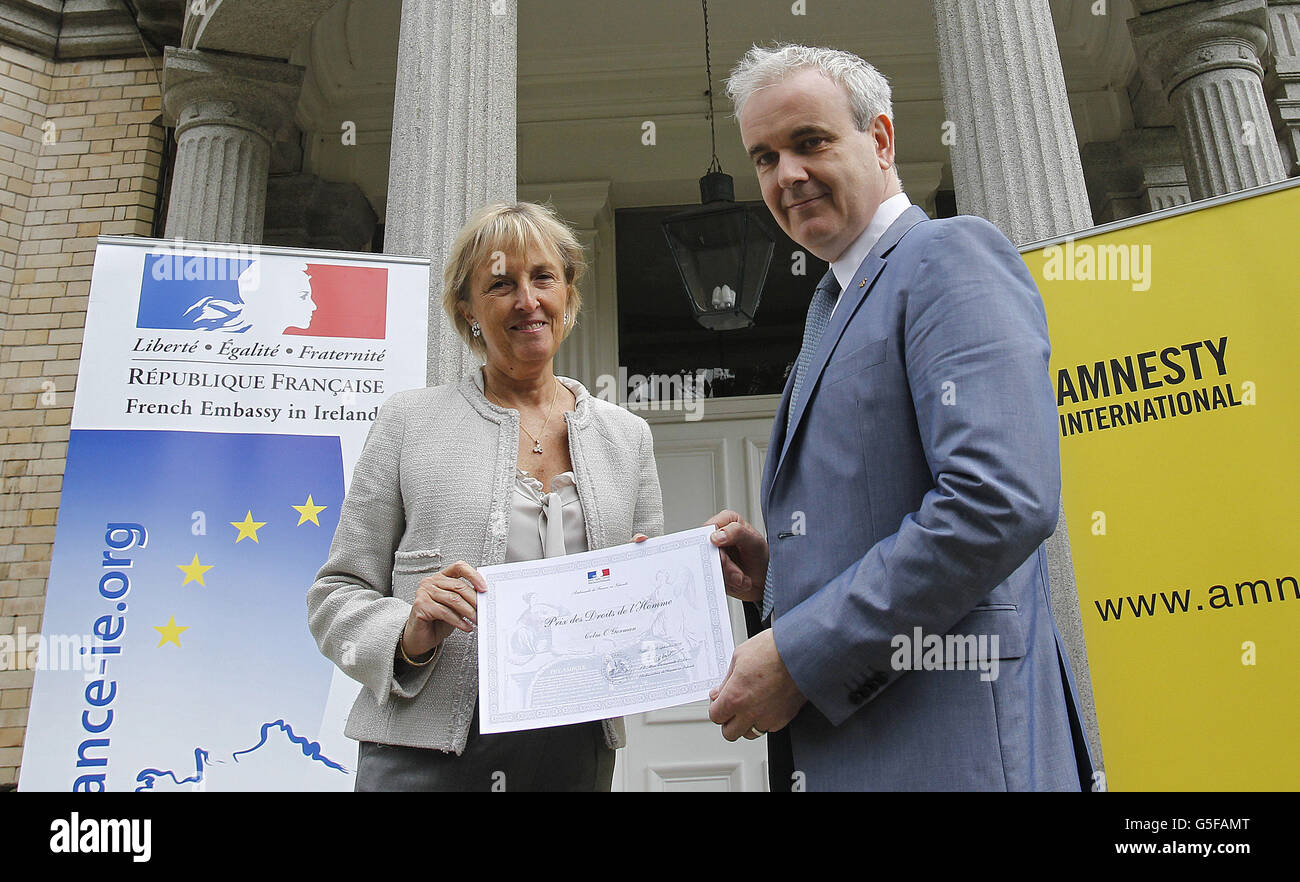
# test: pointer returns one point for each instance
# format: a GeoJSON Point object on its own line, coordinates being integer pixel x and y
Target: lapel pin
{"type": "Point", "coordinates": [862, 284]}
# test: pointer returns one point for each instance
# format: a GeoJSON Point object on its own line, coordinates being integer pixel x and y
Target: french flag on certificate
{"type": "Point", "coordinates": [598, 575]}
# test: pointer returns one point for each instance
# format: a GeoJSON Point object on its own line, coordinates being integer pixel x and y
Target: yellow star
{"type": "Point", "coordinates": [308, 512]}
{"type": "Point", "coordinates": [247, 528]}
{"type": "Point", "coordinates": [194, 571]}
{"type": "Point", "coordinates": [171, 632]}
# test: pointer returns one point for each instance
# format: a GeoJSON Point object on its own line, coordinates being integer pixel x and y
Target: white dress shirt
{"type": "Point", "coordinates": [847, 263]}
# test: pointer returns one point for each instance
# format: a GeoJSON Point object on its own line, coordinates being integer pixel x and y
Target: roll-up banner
{"type": "Point", "coordinates": [223, 396]}
{"type": "Point", "coordinates": [1178, 391]}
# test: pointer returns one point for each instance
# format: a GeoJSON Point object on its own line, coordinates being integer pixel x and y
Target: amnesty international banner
{"type": "Point", "coordinates": [223, 396]}
{"type": "Point", "coordinates": [1178, 390]}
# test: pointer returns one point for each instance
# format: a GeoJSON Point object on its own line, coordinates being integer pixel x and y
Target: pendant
{"type": "Point", "coordinates": [537, 447]}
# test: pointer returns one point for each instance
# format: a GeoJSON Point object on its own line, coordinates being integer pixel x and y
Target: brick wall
{"type": "Point", "coordinates": [79, 157]}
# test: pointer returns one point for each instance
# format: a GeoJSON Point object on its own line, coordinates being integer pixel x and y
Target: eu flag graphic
{"type": "Point", "coordinates": [211, 679]}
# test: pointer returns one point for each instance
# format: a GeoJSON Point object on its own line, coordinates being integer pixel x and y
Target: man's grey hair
{"type": "Point", "coordinates": [868, 90]}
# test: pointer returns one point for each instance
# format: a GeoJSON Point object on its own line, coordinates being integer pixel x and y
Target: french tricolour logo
{"type": "Point", "coordinates": [269, 295]}
{"type": "Point", "coordinates": [594, 576]}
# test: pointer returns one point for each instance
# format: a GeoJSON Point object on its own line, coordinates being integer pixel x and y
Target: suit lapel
{"type": "Point", "coordinates": [860, 286]}
{"type": "Point", "coordinates": [777, 441]}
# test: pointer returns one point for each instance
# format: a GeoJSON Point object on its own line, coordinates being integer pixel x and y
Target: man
{"type": "Point", "coordinates": [912, 476]}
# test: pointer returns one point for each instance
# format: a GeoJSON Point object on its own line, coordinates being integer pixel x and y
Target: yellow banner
{"type": "Point", "coordinates": [1174, 354]}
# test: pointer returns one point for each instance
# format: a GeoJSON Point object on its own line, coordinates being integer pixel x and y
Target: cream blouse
{"type": "Point", "coordinates": [543, 524]}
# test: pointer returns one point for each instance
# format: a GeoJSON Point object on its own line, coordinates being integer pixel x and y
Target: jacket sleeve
{"type": "Point", "coordinates": [649, 515]}
{"type": "Point", "coordinates": [350, 608]}
{"type": "Point", "coordinates": [976, 359]}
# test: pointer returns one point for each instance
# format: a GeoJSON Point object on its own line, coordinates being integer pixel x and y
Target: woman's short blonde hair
{"type": "Point", "coordinates": [512, 229]}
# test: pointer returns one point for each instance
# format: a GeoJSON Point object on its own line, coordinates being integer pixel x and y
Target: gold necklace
{"type": "Point", "coordinates": [537, 441]}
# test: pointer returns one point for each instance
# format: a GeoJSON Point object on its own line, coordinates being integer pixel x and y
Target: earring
{"type": "Point", "coordinates": [566, 319]}
{"type": "Point", "coordinates": [476, 330]}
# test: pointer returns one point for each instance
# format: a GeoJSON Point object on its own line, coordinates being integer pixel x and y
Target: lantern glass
{"type": "Point", "coordinates": [722, 252]}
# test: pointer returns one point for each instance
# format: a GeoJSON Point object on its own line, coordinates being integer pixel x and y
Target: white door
{"type": "Point", "coordinates": [705, 465]}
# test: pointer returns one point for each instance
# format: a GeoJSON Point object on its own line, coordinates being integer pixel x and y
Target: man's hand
{"type": "Point", "coordinates": [744, 555]}
{"type": "Point", "coordinates": [757, 693]}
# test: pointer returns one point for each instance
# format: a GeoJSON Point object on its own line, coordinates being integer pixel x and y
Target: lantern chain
{"type": "Point", "coordinates": [715, 165]}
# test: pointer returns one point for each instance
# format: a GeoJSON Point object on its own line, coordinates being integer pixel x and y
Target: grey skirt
{"type": "Point", "coordinates": [562, 758]}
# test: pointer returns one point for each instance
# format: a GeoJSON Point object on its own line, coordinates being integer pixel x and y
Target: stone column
{"type": "Point", "coordinates": [577, 358]}
{"type": "Point", "coordinates": [453, 141]}
{"type": "Point", "coordinates": [1015, 158]}
{"type": "Point", "coordinates": [1015, 162]}
{"type": "Point", "coordinates": [590, 348]}
{"type": "Point", "coordinates": [1283, 81]}
{"type": "Point", "coordinates": [227, 111]}
{"type": "Point", "coordinates": [1205, 56]}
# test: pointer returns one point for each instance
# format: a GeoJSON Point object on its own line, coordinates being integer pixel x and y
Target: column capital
{"type": "Point", "coordinates": [1282, 83]}
{"type": "Point", "coordinates": [1284, 49]}
{"type": "Point", "coordinates": [1177, 43]}
{"type": "Point", "coordinates": [211, 88]}
{"type": "Point", "coordinates": [227, 111]}
{"type": "Point", "coordinates": [1206, 57]}
{"type": "Point", "coordinates": [584, 204]}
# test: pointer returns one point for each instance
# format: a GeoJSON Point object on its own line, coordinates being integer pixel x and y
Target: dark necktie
{"type": "Point", "coordinates": [819, 316]}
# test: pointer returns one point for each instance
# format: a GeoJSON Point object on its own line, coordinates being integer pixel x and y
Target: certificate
{"type": "Point", "coordinates": [601, 634]}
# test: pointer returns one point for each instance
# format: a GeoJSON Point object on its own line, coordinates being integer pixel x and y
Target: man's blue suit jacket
{"type": "Point", "coordinates": [917, 483]}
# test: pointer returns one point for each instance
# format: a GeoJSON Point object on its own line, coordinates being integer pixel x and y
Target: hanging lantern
{"type": "Point", "coordinates": [721, 248]}
{"type": "Point", "coordinates": [722, 251]}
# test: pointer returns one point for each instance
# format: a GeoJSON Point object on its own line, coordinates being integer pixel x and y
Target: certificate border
{"type": "Point", "coordinates": [606, 707]}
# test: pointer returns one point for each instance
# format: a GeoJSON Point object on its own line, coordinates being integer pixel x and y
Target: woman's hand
{"type": "Point", "coordinates": [446, 600]}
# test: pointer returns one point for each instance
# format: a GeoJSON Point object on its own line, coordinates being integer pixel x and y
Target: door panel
{"type": "Point", "coordinates": [704, 467]}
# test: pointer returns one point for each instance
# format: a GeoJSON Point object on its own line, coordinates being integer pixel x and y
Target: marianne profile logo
{"type": "Point", "coordinates": [268, 295]}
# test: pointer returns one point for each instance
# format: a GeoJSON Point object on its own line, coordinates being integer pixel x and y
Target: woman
{"type": "Point", "coordinates": [448, 482]}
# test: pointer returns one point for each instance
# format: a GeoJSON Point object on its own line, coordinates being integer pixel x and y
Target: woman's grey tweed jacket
{"type": "Point", "coordinates": [431, 488]}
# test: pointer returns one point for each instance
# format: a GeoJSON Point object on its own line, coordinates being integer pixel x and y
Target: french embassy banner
{"type": "Point", "coordinates": [1178, 391]}
{"type": "Point", "coordinates": [223, 396]}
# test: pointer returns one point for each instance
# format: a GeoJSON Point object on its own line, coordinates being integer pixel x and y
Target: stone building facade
{"type": "Point", "coordinates": [229, 120]}
{"type": "Point", "coordinates": [81, 152]}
